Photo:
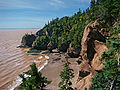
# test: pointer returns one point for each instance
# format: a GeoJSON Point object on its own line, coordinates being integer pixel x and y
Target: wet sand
{"type": "Point", "coordinates": [14, 61]}
{"type": "Point", "coordinates": [54, 67]}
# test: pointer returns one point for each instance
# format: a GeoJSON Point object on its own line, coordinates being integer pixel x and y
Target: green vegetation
{"type": "Point", "coordinates": [41, 42]}
{"type": "Point", "coordinates": [34, 81]}
{"type": "Point", "coordinates": [110, 74]}
{"type": "Point", "coordinates": [69, 30]}
{"type": "Point", "coordinates": [66, 75]}
{"type": "Point", "coordinates": [107, 11]}
{"type": "Point", "coordinates": [27, 36]}
{"type": "Point", "coordinates": [64, 30]}
{"type": "Point", "coordinates": [27, 39]}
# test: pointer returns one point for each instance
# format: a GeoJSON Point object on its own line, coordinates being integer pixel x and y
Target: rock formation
{"type": "Point", "coordinates": [63, 47]}
{"type": "Point", "coordinates": [73, 53]}
{"type": "Point", "coordinates": [28, 40]}
{"type": "Point", "coordinates": [51, 46]}
{"type": "Point", "coordinates": [91, 49]}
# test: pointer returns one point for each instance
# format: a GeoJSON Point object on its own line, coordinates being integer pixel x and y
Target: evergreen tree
{"type": "Point", "coordinates": [110, 74]}
{"type": "Point", "coordinates": [66, 75]}
{"type": "Point", "coordinates": [34, 81]}
{"type": "Point", "coordinates": [41, 42]}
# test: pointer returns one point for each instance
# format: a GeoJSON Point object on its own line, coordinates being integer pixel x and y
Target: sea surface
{"type": "Point", "coordinates": [13, 60]}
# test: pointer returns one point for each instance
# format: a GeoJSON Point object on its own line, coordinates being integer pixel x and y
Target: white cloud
{"type": "Point", "coordinates": [30, 4]}
{"type": "Point", "coordinates": [83, 1]}
{"type": "Point", "coordinates": [35, 13]}
{"type": "Point", "coordinates": [57, 3]}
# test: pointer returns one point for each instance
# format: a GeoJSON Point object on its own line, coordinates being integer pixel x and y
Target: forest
{"type": "Point", "coordinates": [63, 33]}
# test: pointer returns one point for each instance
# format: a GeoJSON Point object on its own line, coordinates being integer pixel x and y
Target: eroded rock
{"type": "Point", "coordinates": [63, 47]}
{"type": "Point", "coordinates": [51, 46]}
{"type": "Point", "coordinates": [92, 46]}
{"type": "Point", "coordinates": [73, 53]}
{"type": "Point", "coordinates": [28, 39]}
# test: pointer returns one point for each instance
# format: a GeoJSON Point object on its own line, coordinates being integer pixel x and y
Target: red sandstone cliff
{"type": "Point", "coordinates": [91, 49]}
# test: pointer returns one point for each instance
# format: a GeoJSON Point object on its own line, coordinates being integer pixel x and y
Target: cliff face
{"type": "Point", "coordinates": [28, 40]}
{"type": "Point", "coordinates": [91, 49]}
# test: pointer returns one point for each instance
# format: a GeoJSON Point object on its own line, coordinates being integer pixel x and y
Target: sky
{"type": "Point", "coordinates": [36, 13]}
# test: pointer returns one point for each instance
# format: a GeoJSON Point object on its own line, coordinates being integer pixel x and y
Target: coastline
{"type": "Point", "coordinates": [18, 81]}
{"type": "Point", "coordinates": [55, 66]}
{"type": "Point", "coordinates": [52, 68]}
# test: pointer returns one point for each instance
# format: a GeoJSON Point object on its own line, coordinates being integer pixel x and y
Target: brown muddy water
{"type": "Point", "coordinates": [13, 61]}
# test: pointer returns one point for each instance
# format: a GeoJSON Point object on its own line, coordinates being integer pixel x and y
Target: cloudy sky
{"type": "Point", "coordinates": [35, 13]}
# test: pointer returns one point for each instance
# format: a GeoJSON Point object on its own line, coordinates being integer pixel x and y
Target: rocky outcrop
{"type": "Point", "coordinates": [73, 53]}
{"type": "Point", "coordinates": [28, 39]}
{"type": "Point", "coordinates": [63, 47]}
{"type": "Point", "coordinates": [99, 49]}
{"type": "Point", "coordinates": [40, 47]}
{"type": "Point", "coordinates": [91, 49]}
{"type": "Point", "coordinates": [51, 46]}
{"type": "Point", "coordinates": [91, 33]}
{"type": "Point", "coordinates": [85, 82]}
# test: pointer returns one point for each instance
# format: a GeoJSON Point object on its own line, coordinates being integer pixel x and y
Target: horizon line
{"type": "Point", "coordinates": [19, 28]}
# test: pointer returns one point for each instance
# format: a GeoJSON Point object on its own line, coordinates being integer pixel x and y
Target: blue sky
{"type": "Point", "coordinates": [36, 13]}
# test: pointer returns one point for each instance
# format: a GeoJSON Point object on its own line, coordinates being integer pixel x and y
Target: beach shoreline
{"type": "Point", "coordinates": [55, 66]}
{"type": "Point", "coordinates": [18, 81]}
{"type": "Point", "coordinates": [52, 67]}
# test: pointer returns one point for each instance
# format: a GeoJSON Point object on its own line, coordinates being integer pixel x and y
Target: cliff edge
{"type": "Point", "coordinates": [92, 46]}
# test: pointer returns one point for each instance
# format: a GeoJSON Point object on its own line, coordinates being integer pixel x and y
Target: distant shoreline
{"type": "Point", "coordinates": [1, 29]}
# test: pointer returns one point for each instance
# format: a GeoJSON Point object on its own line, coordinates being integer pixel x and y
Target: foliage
{"type": "Point", "coordinates": [28, 39]}
{"type": "Point", "coordinates": [27, 36]}
{"type": "Point", "coordinates": [76, 43]}
{"type": "Point", "coordinates": [70, 29]}
{"type": "Point", "coordinates": [66, 75]}
{"type": "Point", "coordinates": [41, 42]}
{"type": "Point", "coordinates": [34, 81]}
{"type": "Point", "coordinates": [117, 28]}
{"type": "Point", "coordinates": [66, 30]}
{"type": "Point", "coordinates": [110, 71]}
{"type": "Point", "coordinates": [61, 31]}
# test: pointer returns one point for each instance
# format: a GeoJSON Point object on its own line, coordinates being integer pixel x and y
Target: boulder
{"type": "Point", "coordinates": [83, 74]}
{"type": "Point", "coordinates": [51, 46]}
{"type": "Point", "coordinates": [63, 47]}
{"type": "Point", "coordinates": [28, 39]}
{"type": "Point", "coordinates": [73, 53]}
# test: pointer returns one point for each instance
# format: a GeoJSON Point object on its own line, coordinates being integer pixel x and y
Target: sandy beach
{"type": "Point", "coordinates": [55, 66]}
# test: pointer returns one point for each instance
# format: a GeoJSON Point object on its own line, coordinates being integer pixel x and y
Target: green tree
{"type": "Point", "coordinates": [110, 74]}
{"type": "Point", "coordinates": [34, 81]}
{"type": "Point", "coordinates": [28, 39]}
{"type": "Point", "coordinates": [41, 42]}
{"type": "Point", "coordinates": [66, 76]}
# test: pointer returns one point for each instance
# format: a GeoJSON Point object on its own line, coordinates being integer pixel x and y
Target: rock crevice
{"type": "Point", "coordinates": [92, 46]}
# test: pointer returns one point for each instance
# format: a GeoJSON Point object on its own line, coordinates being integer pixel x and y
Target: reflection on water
{"type": "Point", "coordinates": [13, 61]}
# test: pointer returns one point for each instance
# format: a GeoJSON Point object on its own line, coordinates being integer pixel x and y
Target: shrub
{"type": "Point", "coordinates": [41, 42]}
{"type": "Point", "coordinates": [34, 81]}
{"type": "Point", "coordinates": [28, 39]}
{"type": "Point", "coordinates": [66, 75]}
{"type": "Point", "coordinates": [110, 74]}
